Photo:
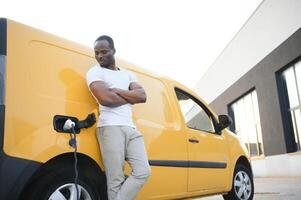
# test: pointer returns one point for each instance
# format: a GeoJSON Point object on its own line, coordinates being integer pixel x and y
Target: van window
{"type": "Point", "coordinates": [194, 115]}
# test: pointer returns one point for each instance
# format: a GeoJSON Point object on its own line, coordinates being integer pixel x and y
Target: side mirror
{"type": "Point", "coordinates": [224, 121]}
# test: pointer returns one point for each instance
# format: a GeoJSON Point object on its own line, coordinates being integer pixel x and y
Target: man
{"type": "Point", "coordinates": [116, 90]}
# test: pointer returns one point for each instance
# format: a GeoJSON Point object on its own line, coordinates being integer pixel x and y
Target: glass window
{"type": "Point", "coordinates": [247, 123]}
{"type": "Point", "coordinates": [194, 115]}
{"type": "Point", "coordinates": [292, 77]}
{"type": "Point", "coordinates": [290, 80]}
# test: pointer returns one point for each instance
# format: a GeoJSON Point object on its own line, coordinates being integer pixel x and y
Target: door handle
{"type": "Point", "coordinates": [192, 140]}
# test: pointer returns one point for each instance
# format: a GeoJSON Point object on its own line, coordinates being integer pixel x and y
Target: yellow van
{"type": "Point", "coordinates": [42, 81]}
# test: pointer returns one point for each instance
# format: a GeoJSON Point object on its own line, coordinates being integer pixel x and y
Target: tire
{"type": "Point", "coordinates": [242, 184]}
{"type": "Point", "coordinates": [60, 182]}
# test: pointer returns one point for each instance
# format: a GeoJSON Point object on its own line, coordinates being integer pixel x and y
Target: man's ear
{"type": "Point", "coordinates": [114, 51]}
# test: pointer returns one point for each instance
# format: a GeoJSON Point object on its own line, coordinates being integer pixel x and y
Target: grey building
{"type": "Point", "coordinates": [257, 81]}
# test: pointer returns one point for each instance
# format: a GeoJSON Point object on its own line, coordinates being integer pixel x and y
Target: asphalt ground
{"type": "Point", "coordinates": [288, 188]}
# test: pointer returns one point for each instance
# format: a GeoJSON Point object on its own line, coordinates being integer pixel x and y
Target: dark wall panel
{"type": "Point", "coordinates": [262, 77]}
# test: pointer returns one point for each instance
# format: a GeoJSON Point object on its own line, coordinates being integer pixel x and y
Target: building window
{"type": "Point", "coordinates": [292, 78]}
{"type": "Point", "coordinates": [247, 122]}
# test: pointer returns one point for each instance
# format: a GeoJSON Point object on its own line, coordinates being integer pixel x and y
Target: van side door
{"type": "Point", "coordinates": [165, 143]}
{"type": "Point", "coordinates": [207, 150]}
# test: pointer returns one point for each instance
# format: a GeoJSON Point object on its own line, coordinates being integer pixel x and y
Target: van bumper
{"type": "Point", "coordinates": [15, 173]}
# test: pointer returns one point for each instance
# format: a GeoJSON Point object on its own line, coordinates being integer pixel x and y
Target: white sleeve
{"type": "Point", "coordinates": [93, 75]}
{"type": "Point", "coordinates": [133, 78]}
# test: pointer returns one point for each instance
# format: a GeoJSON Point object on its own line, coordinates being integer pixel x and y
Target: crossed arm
{"type": "Point", "coordinates": [114, 97]}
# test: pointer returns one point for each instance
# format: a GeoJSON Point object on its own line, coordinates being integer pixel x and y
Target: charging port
{"type": "Point", "coordinates": [59, 121]}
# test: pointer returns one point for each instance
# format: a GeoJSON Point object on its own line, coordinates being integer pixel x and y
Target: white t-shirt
{"type": "Point", "coordinates": [117, 116]}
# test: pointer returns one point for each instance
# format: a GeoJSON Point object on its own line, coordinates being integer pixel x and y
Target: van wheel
{"type": "Point", "coordinates": [242, 186]}
{"type": "Point", "coordinates": [59, 184]}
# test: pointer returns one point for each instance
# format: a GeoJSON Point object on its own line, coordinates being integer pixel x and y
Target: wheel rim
{"type": "Point", "coordinates": [68, 192]}
{"type": "Point", "coordinates": [242, 185]}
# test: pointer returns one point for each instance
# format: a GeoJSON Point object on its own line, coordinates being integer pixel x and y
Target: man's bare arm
{"type": "Point", "coordinates": [135, 94]}
{"type": "Point", "coordinates": [105, 95]}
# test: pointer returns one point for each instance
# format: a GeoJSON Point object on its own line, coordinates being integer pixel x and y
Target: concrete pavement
{"type": "Point", "coordinates": [287, 188]}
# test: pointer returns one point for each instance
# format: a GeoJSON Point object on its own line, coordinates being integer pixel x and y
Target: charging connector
{"type": "Point", "coordinates": [72, 126]}
{"type": "Point", "coordinates": [69, 126]}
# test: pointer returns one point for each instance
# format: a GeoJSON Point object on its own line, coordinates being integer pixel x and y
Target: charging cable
{"type": "Point", "coordinates": [69, 125]}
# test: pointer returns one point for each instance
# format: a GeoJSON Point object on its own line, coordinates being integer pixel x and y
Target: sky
{"type": "Point", "coordinates": [176, 38]}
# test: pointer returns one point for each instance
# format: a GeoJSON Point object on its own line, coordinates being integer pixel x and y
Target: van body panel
{"type": "Point", "coordinates": [12, 170]}
{"type": "Point", "coordinates": [209, 168]}
{"type": "Point", "coordinates": [15, 174]}
{"type": "Point", "coordinates": [210, 149]}
{"type": "Point", "coordinates": [3, 37]}
{"type": "Point", "coordinates": [163, 141]}
{"type": "Point", "coordinates": [44, 75]}
{"type": "Point", "coordinates": [2, 115]}
{"type": "Point", "coordinates": [226, 147]}
{"type": "Point", "coordinates": [237, 150]}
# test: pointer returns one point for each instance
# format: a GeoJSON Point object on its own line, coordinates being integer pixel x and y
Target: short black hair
{"type": "Point", "coordinates": [108, 39]}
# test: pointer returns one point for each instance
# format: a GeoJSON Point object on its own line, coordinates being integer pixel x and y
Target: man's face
{"type": "Point", "coordinates": [104, 54]}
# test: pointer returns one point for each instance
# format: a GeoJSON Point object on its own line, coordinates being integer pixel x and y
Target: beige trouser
{"type": "Point", "coordinates": [117, 144]}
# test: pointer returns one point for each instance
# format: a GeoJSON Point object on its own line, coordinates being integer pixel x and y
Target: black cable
{"type": "Point", "coordinates": [72, 142]}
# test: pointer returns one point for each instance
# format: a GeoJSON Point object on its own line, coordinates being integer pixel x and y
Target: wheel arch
{"type": "Point", "coordinates": [241, 160]}
{"type": "Point", "coordinates": [244, 161]}
{"type": "Point", "coordinates": [84, 163]}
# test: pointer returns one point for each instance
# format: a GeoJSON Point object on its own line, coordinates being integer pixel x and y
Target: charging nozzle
{"type": "Point", "coordinates": [69, 124]}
